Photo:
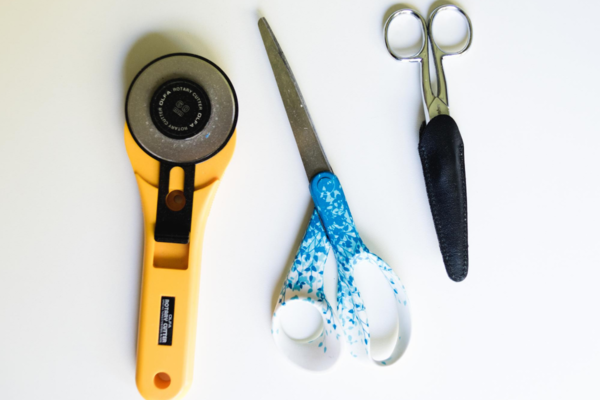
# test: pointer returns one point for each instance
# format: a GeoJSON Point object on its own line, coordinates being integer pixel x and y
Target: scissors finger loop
{"type": "Point", "coordinates": [418, 56]}
{"type": "Point", "coordinates": [435, 13]}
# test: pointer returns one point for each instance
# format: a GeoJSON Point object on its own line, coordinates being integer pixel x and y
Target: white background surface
{"type": "Point", "coordinates": [524, 324]}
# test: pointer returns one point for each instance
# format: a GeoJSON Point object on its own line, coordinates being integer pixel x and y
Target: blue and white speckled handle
{"type": "Point", "coordinates": [305, 283]}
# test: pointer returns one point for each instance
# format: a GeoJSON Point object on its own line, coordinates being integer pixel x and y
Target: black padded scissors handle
{"type": "Point", "coordinates": [442, 156]}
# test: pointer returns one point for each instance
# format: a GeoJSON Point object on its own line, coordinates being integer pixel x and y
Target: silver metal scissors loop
{"type": "Point", "coordinates": [433, 105]}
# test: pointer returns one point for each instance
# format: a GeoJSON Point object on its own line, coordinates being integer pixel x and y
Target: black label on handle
{"type": "Point", "coordinates": [165, 328]}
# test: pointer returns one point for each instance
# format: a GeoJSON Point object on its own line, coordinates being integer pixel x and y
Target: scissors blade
{"type": "Point", "coordinates": [311, 152]}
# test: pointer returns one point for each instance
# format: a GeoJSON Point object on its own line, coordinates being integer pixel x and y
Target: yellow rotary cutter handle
{"type": "Point", "coordinates": [181, 113]}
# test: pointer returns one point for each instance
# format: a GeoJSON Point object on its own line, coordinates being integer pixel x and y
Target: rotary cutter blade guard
{"type": "Point", "coordinates": [181, 113]}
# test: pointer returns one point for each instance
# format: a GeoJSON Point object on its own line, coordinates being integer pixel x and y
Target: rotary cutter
{"type": "Point", "coordinates": [181, 112]}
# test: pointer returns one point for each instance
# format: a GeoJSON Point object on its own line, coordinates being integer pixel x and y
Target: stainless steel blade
{"type": "Point", "coordinates": [311, 152]}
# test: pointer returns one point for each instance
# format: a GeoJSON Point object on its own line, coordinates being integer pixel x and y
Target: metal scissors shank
{"type": "Point", "coordinates": [433, 105]}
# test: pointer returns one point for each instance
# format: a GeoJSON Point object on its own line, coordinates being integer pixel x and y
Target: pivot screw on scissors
{"type": "Point", "coordinates": [331, 227]}
{"type": "Point", "coordinates": [441, 147]}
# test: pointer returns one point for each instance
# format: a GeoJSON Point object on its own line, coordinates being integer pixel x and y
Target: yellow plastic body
{"type": "Point", "coordinates": [166, 372]}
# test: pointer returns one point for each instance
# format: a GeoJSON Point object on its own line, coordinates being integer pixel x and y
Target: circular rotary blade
{"type": "Point", "coordinates": [181, 108]}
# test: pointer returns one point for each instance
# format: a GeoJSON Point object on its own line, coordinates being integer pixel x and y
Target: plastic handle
{"type": "Point", "coordinates": [330, 202]}
{"type": "Point", "coordinates": [332, 227]}
{"type": "Point", "coordinates": [171, 274]}
{"type": "Point", "coordinates": [443, 158]}
{"type": "Point", "coordinates": [304, 283]}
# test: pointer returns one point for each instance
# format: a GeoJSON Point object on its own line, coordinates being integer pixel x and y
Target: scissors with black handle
{"type": "Point", "coordinates": [441, 147]}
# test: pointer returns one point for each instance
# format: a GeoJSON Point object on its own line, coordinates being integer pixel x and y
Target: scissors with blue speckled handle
{"type": "Point", "coordinates": [331, 227]}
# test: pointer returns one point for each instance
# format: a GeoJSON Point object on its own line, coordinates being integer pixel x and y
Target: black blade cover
{"type": "Point", "coordinates": [442, 155]}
